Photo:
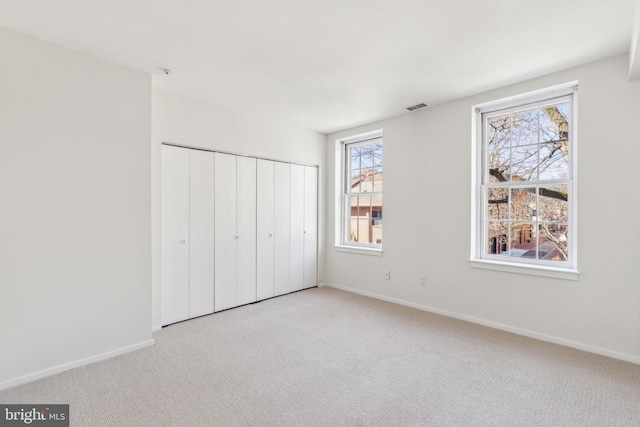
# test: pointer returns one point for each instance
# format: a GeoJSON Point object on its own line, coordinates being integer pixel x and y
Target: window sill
{"type": "Point", "coordinates": [358, 250]}
{"type": "Point", "coordinates": [533, 270]}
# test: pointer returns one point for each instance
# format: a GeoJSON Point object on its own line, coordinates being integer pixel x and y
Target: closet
{"type": "Point", "coordinates": [235, 230]}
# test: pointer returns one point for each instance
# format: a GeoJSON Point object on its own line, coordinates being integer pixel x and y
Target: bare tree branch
{"type": "Point", "coordinates": [544, 231]}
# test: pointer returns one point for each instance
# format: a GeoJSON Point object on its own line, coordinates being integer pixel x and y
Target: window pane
{"type": "Point", "coordinates": [496, 242]}
{"type": "Point", "coordinates": [523, 204]}
{"type": "Point", "coordinates": [377, 158]}
{"type": "Point", "coordinates": [524, 163]}
{"type": "Point", "coordinates": [497, 203]}
{"type": "Point", "coordinates": [366, 153]}
{"type": "Point", "coordinates": [553, 204]}
{"type": "Point", "coordinates": [498, 132]}
{"type": "Point", "coordinates": [524, 129]}
{"type": "Point", "coordinates": [364, 203]}
{"type": "Point", "coordinates": [377, 181]}
{"type": "Point", "coordinates": [354, 155]}
{"type": "Point", "coordinates": [553, 242]}
{"type": "Point", "coordinates": [554, 124]}
{"type": "Point", "coordinates": [554, 160]}
{"type": "Point", "coordinates": [352, 222]}
{"type": "Point", "coordinates": [376, 221]}
{"type": "Point", "coordinates": [523, 240]}
{"type": "Point", "coordinates": [366, 185]}
{"type": "Point", "coordinates": [377, 168]}
{"type": "Point", "coordinates": [360, 219]}
{"type": "Point", "coordinates": [498, 165]}
{"type": "Point", "coordinates": [355, 181]}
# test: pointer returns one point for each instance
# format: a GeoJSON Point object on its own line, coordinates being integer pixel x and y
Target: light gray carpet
{"type": "Point", "coordinates": [324, 357]}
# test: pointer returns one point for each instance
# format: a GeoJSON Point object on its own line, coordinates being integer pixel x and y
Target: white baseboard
{"type": "Point", "coordinates": [495, 325]}
{"type": "Point", "coordinates": [156, 328]}
{"type": "Point", "coordinates": [65, 367]}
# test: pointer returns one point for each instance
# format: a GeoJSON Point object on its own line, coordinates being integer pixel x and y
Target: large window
{"type": "Point", "coordinates": [525, 191]}
{"type": "Point", "coordinates": [362, 214]}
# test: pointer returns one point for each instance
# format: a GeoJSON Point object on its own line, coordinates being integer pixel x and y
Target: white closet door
{"type": "Point", "coordinates": [175, 234]}
{"type": "Point", "coordinates": [225, 231]}
{"type": "Point", "coordinates": [310, 226]}
{"type": "Point", "coordinates": [265, 228]}
{"type": "Point", "coordinates": [246, 230]}
{"type": "Point", "coordinates": [201, 220]}
{"type": "Point", "coordinates": [297, 228]}
{"type": "Point", "coordinates": [282, 195]}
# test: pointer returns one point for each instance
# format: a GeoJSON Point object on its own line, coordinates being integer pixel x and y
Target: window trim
{"type": "Point", "coordinates": [478, 259]}
{"type": "Point", "coordinates": [340, 195]}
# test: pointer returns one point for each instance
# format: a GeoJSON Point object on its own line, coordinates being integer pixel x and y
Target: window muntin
{"type": "Point", "coordinates": [362, 193]}
{"type": "Point", "coordinates": [526, 184]}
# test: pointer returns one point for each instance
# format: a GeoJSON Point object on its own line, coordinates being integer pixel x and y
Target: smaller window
{"type": "Point", "coordinates": [361, 192]}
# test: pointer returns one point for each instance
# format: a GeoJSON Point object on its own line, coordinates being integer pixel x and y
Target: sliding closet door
{"type": "Point", "coordinates": [282, 196]}
{"type": "Point", "coordinates": [265, 228]}
{"type": "Point", "coordinates": [246, 230]}
{"type": "Point", "coordinates": [310, 226]}
{"type": "Point", "coordinates": [175, 234]}
{"type": "Point", "coordinates": [297, 228]}
{"type": "Point", "coordinates": [201, 224]}
{"type": "Point", "coordinates": [225, 231]}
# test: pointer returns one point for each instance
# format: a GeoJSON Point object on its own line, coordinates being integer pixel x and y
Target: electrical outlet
{"type": "Point", "coordinates": [423, 280]}
{"type": "Point", "coordinates": [387, 275]}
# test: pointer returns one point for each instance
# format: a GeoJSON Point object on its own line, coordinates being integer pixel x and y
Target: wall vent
{"type": "Point", "coordinates": [417, 106]}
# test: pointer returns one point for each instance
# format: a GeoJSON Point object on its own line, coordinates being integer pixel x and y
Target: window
{"type": "Point", "coordinates": [361, 192]}
{"type": "Point", "coordinates": [525, 188]}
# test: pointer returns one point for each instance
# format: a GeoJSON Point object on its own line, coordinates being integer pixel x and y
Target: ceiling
{"type": "Point", "coordinates": [327, 65]}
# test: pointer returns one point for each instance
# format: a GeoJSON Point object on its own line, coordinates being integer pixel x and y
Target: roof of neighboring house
{"type": "Point", "coordinates": [369, 181]}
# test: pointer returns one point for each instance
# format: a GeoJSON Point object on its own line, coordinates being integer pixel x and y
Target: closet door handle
{"type": "Point", "coordinates": [270, 234]}
{"type": "Point", "coordinates": [184, 242]}
{"type": "Point", "coordinates": [237, 237]}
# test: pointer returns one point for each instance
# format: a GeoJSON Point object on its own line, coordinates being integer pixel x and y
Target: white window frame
{"type": "Point", "coordinates": [341, 214]}
{"type": "Point", "coordinates": [479, 259]}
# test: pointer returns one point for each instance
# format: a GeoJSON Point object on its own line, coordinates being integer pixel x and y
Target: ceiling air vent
{"type": "Point", "coordinates": [417, 106]}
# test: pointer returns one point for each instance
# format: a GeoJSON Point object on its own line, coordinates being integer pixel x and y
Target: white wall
{"type": "Point", "coordinates": [184, 121]}
{"type": "Point", "coordinates": [75, 277]}
{"type": "Point", "coordinates": [427, 221]}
